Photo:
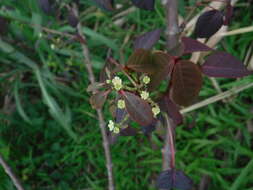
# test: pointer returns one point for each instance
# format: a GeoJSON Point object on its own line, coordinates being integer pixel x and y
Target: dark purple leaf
{"type": "Point", "coordinates": [105, 4]}
{"type": "Point", "coordinates": [186, 82]}
{"type": "Point", "coordinates": [149, 128]}
{"type": "Point", "coordinates": [171, 109]}
{"type": "Point", "coordinates": [72, 19]}
{"type": "Point", "coordinates": [174, 179]}
{"type": "Point", "coordinates": [141, 61]}
{"type": "Point", "coordinates": [144, 4]}
{"type": "Point", "coordinates": [97, 100]}
{"type": "Point", "coordinates": [208, 24]}
{"type": "Point", "coordinates": [223, 64]}
{"type": "Point", "coordinates": [45, 6]}
{"type": "Point", "coordinates": [129, 131]}
{"type": "Point", "coordinates": [191, 45]}
{"type": "Point", "coordinates": [138, 109]}
{"type": "Point", "coordinates": [120, 115]}
{"type": "Point", "coordinates": [147, 40]}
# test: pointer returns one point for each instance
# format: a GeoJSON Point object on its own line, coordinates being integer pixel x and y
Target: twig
{"type": "Point", "coordinates": [10, 173]}
{"type": "Point", "coordinates": [168, 150]}
{"type": "Point", "coordinates": [101, 120]}
{"type": "Point", "coordinates": [237, 31]}
{"type": "Point", "coordinates": [172, 31]}
{"type": "Point", "coordinates": [172, 34]}
{"type": "Point", "coordinates": [216, 98]}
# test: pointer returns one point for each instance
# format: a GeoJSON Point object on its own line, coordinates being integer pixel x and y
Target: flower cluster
{"type": "Point", "coordinates": [112, 127]}
{"type": "Point", "coordinates": [117, 83]}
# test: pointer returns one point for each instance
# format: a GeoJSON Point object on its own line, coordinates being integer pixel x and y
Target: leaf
{"type": "Point", "coordinates": [149, 128]}
{"type": "Point", "coordinates": [105, 4]}
{"type": "Point", "coordinates": [144, 4]}
{"type": "Point", "coordinates": [191, 45]}
{"type": "Point", "coordinates": [45, 6]}
{"type": "Point", "coordinates": [186, 82]}
{"type": "Point", "coordinates": [141, 61]}
{"type": "Point", "coordinates": [156, 65]}
{"type": "Point", "coordinates": [120, 115]}
{"type": "Point", "coordinates": [168, 106]}
{"type": "Point", "coordinates": [97, 100]}
{"type": "Point", "coordinates": [174, 179]}
{"type": "Point", "coordinates": [208, 24]}
{"type": "Point", "coordinates": [147, 40]}
{"type": "Point", "coordinates": [223, 64]}
{"type": "Point", "coordinates": [138, 109]}
{"type": "Point", "coordinates": [163, 63]}
{"type": "Point", "coordinates": [129, 131]}
{"type": "Point", "coordinates": [72, 19]}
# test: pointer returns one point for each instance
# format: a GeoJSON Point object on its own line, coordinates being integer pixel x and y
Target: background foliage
{"type": "Point", "coordinates": [44, 105]}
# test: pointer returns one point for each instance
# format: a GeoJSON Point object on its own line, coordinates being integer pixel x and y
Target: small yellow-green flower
{"type": "Point", "coordinates": [52, 46]}
{"type": "Point", "coordinates": [156, 110]}
{"type": "Point", "coordinates": [116, 130]}
{"type": "Point", "coordinates": [144, 95]}
{"type": "Point", "coordinates": [146, 80]}
{"type": "Point", "coordinates": [117, 83]}
{"type": "Point", "coordinates": [121, 104]}
{"type": "Point", "coordinates": [111, 125]}
{"type": "Point", "coordinates": [108, 81]}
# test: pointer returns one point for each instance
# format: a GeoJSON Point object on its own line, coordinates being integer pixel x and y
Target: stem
{"type": "Point", "coordinates": [101, 120]}
{"type": "Point", "coordinates": [173, 30]}
{"type": "Point", "coordinates": [10, 173]}
{"type": "Point", "coordinates": [172, 34]}
{"type": "Point", "coordinates": [168, 149]}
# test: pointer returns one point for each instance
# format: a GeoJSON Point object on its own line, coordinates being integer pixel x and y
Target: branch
{"type": "Point", "coordinates": [101, 120]}
{"type": "Point", "coordinates": [172, 31]}
{"type": "Point", "coordinates": [172, 34]}
{"type": "Point", "coordinates": [10, 173]}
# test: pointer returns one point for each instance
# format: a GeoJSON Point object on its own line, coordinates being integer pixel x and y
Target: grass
{"type": "Point", "coordinates": [49, 133]}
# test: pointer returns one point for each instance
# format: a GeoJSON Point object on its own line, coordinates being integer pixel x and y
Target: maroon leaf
{"type": "Point", "coordinates": [163, 62]}
{"type": "Point", "coordinates": [186, 82]}
{"type": "Point", "coordinates": [147, 40]}
{"type": "Point", "coordinates": [191, 45]}
{"type": "Point", "coordinates": [129, 131]}
{"type": "Point", "coordinates": [144, 4]}
{"type": "Point", "coordinates": [105, 4]}
{"type": "Point", "coordinates": [72, 19]}
{"type": "Point", "coordinates": [150, 128]}
{"type": "Point", "coordinates": [45, 6]}
{"type": "Point", "coordinates": [223, 64]}
{"type": "Point", "coordinates": [171, 179]}
{"type": "Point", "coordinates": [97, 100]}
{"type": "Point", "coordinates": [95, 86]}
{"type": "Point", "coordinates": [171, 109]}
{"type": "Point", "coordinates": [138, 109]}
{"type": "Point", "coordinates": [208, 24]}
{"type": "Point", "coordinates": [141, 61]}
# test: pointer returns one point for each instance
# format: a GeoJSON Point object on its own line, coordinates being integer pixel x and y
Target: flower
{"type": "Point", "coordinates": [116, 130]}
{"type": "Point", "coordinates": [144, 95]}
{"type": "Point", "coordinates": [156, 110]}
{"type": "Point", "coordinates": [111, 125]}
{"type": "Point", "coordinates": [117, 83]}
{"type": "Point", "coordinates": [52, 46]}
{"type": "Point", "coordinates": [146, 80]}
{"type": "Point", "coordinates": [121, 104]}
{"type": "Point", "coordinates": [108, 81]}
